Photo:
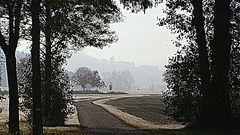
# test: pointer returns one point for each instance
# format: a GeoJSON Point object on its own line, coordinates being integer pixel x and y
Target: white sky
{"type": "Point", "coordinates": [141, 40]}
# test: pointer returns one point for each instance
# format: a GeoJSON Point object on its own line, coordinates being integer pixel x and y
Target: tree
{"type": "Point", "coordinates": [235, 64]}
{"type": "Point", "coordinates": [11, 14]}
{"type": "Point", "coordinates": [82, 23]}
{"type": "Point", "coordinates": [204, 69]}
{"type": "Point", "coordinates": [122, 80]}
{"type": "Point", "coordinates": [96, 80]}
{"type": "Point", "coordinates": [219, 41]}
{"type": "Point", "coordinates": [36, 75]}
{"type": "Point", "coordinates": [139, 5]}
{"type": "Point", "coordinates": [219, 103]}
{"type": "Point", "coordinates": [183, 97]}
{"type": "Point", "coordinates": [62, 100]}
{"type": "Point", "coordinates": [208, 94]}
{"type": "Point", "coordinates": [83, 76]}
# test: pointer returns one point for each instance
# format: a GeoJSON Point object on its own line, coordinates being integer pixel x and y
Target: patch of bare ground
{"type": "Point", "coordinates": [131, 119]}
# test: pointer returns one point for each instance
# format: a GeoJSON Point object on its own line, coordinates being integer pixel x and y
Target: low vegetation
{"type": "Point", "coordinates": [149, 108]}
{"type": "Point", "coordinates": [96, 92]}
{"type": "Point", "coordinates": [61, 130]}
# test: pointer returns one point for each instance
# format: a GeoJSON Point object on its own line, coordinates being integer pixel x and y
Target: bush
{"type": "Point", "coordinates": [61, 97]}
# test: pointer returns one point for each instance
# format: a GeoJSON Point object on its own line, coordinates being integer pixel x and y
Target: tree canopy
{"type": "Point", "coordinates": [83, 76]}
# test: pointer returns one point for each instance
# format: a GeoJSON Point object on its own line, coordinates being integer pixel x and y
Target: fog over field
{"type": "Point", "coordinates": [146, 78]}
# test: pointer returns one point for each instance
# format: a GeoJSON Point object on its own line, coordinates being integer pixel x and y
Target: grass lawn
{"type": "Point", "coordinates": [149, 108]}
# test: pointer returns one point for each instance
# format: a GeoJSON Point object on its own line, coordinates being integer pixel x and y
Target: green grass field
{"type": "Point", "coordinates": [150, 108]}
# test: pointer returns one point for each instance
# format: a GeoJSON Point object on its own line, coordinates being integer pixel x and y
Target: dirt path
{"type": "Point", "coordinates": [96, 119]}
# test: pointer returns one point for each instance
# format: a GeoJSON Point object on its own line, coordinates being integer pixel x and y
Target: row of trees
{"type": "Point", "coordinates": [208, 28]}
{"type": "Point", "coordinates": [53, 28]}
{"type": "Point", "coordinates": [203, 76]}
{"type": "Point", "coordinates": [122, 80]}
{"type": "Point", "coordinates": [84, 77]}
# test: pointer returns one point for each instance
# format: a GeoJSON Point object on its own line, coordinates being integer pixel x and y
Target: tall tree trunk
{"type": "Point", "coordinates": [48, 72]}
{"type": "Point", "coordinates": [198, 22]}
{"type": "Point", "coordinates": [13, 93]}
{"type": "Point", "coordinates": [220, 108]}
{"type": "Point", "coordinates": [36, 77]}
{"type": "Point", "coordinates": [14, 11]}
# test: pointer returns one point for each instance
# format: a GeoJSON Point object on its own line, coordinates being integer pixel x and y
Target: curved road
{"type": "Point", "coordinates": [95, 119]}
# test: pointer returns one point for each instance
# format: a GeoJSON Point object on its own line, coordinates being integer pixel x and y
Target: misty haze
{"type": "Point", "coordinates": [139, 67]}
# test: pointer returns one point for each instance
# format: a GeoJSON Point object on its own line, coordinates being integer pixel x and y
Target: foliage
{"type": "Point", "coordinates": [139, 5]}
{"type": "Point", "coordinates": [70, 25]}
{"type": "Point", "coordinates": [76, 24]}
{"type": "Point", "coordinates": [96, 80]}
{"type": "Point", "coordinates": [183, 98]}
{"type": "Point", "coordinates": [83, 76]}
{"type": "Point", "coordinates": [73, 25]}
{"type": "Point", "coordinates": [24, 83]}
{"type": "Point", "coordinates": [235, 62]}
{"type": "Point", "coordinates": [61, 97]}
{"type": "Point", "coordinates": [10, 18]}
{"type": "Point", "coordinates": [60, 101]}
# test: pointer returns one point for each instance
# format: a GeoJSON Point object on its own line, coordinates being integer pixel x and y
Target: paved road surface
{"type": "Point", "coordinates": [96, 119]}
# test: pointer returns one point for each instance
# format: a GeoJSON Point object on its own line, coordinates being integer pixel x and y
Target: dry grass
{"type": "Point", "coordinates": [71, 127]}
{"type": "Point", "coordinates": [4, 108]}
{"type": "Point", "coordinates": [61, 130]}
